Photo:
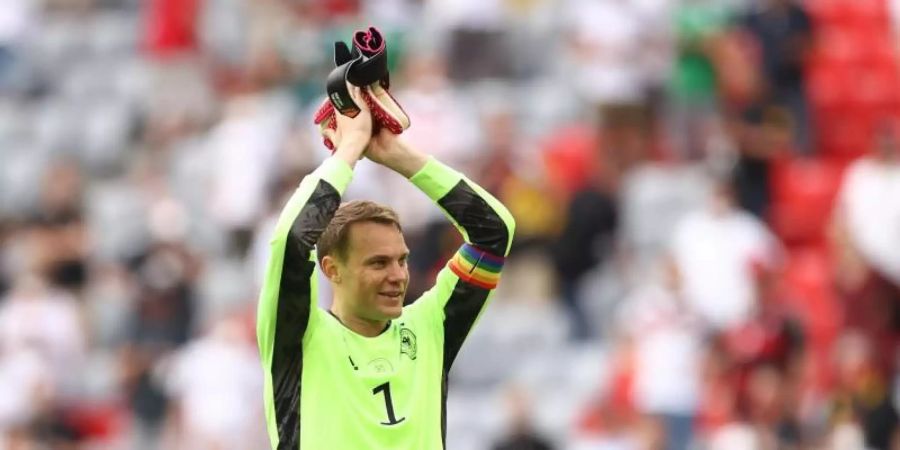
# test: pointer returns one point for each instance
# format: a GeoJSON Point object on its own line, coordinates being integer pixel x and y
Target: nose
{"type": "Point", "coordinates": [397, 273]}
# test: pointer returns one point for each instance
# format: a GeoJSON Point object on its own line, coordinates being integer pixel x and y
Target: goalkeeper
{"type": "Point", "coordinates": [370, 374]}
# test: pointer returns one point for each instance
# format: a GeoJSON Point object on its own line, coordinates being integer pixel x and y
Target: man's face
{"type": "Point", "coordinates": [373, 274]}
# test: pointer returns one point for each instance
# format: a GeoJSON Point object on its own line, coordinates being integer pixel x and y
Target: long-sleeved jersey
{"type": "Point", "coordinates": [329, 388]}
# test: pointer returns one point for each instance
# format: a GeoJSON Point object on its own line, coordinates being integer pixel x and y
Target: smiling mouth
{"type": "Point", "coordinates": [393, 295]}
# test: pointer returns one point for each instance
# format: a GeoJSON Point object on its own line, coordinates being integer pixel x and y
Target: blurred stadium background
{"type": "Point", "coordinates": [707, 195]}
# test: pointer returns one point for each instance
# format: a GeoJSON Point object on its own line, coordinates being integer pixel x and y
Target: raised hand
{"type": "Point", "coordinates": [352, 135]}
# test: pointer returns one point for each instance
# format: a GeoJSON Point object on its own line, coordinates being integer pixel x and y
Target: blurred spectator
{"type": "Point", "coordinates": [335, 10]}
{"type": "Point", "coordinates": [521, 434]}
{"type": "Point", "coordinates": [766, 405]}
{"type": "Point", "coordinates": [665, 337]}
{"type": "Point", "coordinates": [590, 221]}
{"type": "Point", "coordinates": [60, 232]}
{"type": "Point", "coordinates": [866, 218]}
{"type": "Point", "coordinates": [617, 430]}
{"type": "Point", "coordinates": [866, 213]}
{"type": "Point", "coordinates": [657, 57]}
{"type": "Point", "coordinates": [243, 149]}
{"type": "Point", "coordinates": [42, 357]}
{"type": "Point", "coordinates": [783, 31]}
{"type": "Point", "coordinates": [213, 384]}
{"type": "Point", "coordinates": [865, 397]}
{"type": "Point", "coordinates": [735, 59]}
{"type": "Point", "coordinates": [762, 136]}
{"type": "Point", "coordinates": [738, 436]}
{"type": "Point", "coordinates": [36, 317]}
{"type": "Point", "coordinates": [772, 337]}
{"type": "Point", "coordinates": [509, 169]}
{"type": "Point", "coordinates": [720, 251]}
{"type": "Point", "coordinates": [699, 26]}
{"type": "Point", "coordinates": [170, 26]}
{"type": "Point", "coordinates": [27, 385]}
{"type": "Point", "coordinates": [767, 380]}
{"type": "Point", "coordinates": [584, 242]}
{"type": "Point", "coordinates": [604, 39]}
{"type": "Point", "coordinates": [477, 46]}
{"type": "Point", "coordinates": [628, 138]}
{"type": "Point", "coordinates": [17, 18]}
{"type": "Point", "coordinates": [653, 198]}
{"type": "Point", "coordinates": [162, 321]}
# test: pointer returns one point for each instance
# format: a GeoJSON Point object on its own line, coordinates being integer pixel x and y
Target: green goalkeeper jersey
{"type": "Point", "coordinates": [329, 388]}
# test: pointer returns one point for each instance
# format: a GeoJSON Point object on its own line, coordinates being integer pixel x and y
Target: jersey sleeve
{"type": "Point", "coordinates": [465, 285]}
{"type": "Point", "coordinates": [288, 295]}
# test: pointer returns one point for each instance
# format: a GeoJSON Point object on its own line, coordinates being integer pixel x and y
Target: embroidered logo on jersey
{"type": "Point", "coordinates": [380, 365]}
{"type": "Point", "coordinates": [408, 343]}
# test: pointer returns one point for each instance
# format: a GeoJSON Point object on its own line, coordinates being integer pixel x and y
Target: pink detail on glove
{"type": "Point", "coordinates": [326, 120]}
{"type": "Point", "coordinates": [385, 109]}
{"type": "Point", "coordinates": [386, 113]}
{"type": "Point", "coordinates": [369, 42]}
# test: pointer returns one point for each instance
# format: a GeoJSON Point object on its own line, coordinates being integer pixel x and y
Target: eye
{"type": "Point", "coordinates": [379, 264]}
{"type": "Point", "coordinates": [403, 261]}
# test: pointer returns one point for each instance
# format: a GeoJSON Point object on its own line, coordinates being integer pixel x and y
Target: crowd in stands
{"type": "Point", "coordinates": [707, 195]}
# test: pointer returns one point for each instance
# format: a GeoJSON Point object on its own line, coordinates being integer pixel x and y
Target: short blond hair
{"type": "Point", "coordinates": [336, 237]}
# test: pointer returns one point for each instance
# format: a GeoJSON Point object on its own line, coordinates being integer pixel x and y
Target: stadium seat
{"type": "Point", "coordinates": [859, 13]}
{"type": "Point", "coordinates": [803, 190]}
{"type": "Point", "coordinates": [837, 45]}
{"type": "Point", "coordinates": [876, 85]}
{"type": "Point", "coordinates": [828, 83]}
{"type": "Point", "coordinates": [106, 132]}
{"type": "Point", "coordinates": [844, 134]}
{"type": "Point", "coordinates": [808, 289]}
{"type": "Point", "coordinates": [824, 11]}
{"type": "Point", "coordinates": [874, 45]}
{"type": "Point", "coordinates": [113, 33]}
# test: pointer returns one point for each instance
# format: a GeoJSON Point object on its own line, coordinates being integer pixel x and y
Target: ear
{"type": "Point", "coordinates": [331, 269]}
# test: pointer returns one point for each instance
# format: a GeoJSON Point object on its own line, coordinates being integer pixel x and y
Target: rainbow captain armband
{"type": "Point", "coordinates": [476, 266]}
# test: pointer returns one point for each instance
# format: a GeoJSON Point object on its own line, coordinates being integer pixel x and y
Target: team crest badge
{"type": "Point", "coordinates": [408, 343]}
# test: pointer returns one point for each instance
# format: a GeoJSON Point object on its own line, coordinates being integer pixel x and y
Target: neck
{"type": "Point", "coordinates": [364, 327]}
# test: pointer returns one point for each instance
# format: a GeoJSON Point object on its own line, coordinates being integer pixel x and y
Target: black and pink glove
{"type": "Point", "coordinates": [365, 65]}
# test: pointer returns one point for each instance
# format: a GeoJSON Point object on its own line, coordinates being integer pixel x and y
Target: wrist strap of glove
{"type": "Point", "coordinates": [374, 66]}
{"type": "Point", "coordinates": [363, 65]}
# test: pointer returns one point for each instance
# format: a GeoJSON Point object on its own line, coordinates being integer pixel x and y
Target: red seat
{"type": "Point", "coordinates": [859, 13]}
{"type": "Point", "coordinates": [836, 45]}
{"type": "Point", "coordinates": [875, 45]}
{"type": "Point", "coordinates": [828, 84]}
{"type": "Point", "coordinates": [809, 288]}
{"type": "Point", "coordinates": [844, 133]}
{"type": "Point", "coordinates": [867, 14]}
{"type": "Point", "coordinates": [876, 85]}
{"type": "Point", "coordinates": [825, 11]}
{"type": "Point", "coordinates": [803, 190]}
{"type": "Point", "coordinates": [808, 282]}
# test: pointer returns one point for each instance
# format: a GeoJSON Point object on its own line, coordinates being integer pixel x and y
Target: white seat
{"type": "Point", "coordinates": [107, 130]}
